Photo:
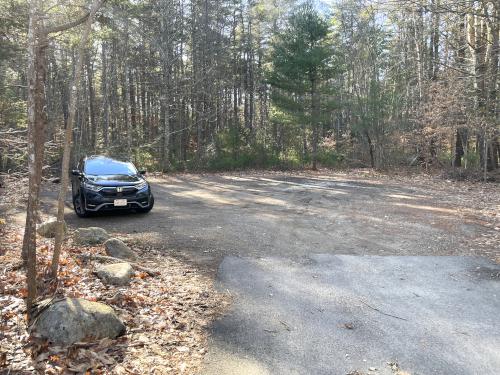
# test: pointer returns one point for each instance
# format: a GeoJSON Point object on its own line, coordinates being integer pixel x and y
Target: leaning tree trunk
{"type": "Point", "coordinates": [68, 137]}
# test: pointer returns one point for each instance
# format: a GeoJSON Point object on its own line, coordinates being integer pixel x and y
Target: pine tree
{"type": "Point", "coordinates": [302, 61]}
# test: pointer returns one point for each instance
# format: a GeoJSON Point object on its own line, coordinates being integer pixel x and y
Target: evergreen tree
{"type": "Point", "coordinates": [302, 61]}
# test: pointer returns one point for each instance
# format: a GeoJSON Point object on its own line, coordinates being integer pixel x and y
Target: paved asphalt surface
{"type": "Point", "coordinates": [338, 314]}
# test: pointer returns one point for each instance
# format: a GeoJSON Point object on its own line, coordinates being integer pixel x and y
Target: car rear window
{"type": "Point", "coordinates": [100, 167]}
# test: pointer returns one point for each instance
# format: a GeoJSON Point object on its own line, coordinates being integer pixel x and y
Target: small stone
{"type": "Point", "coordinates": [48, 228]}
{"type": "Point", "coordinates": [75, 319]}
{"type": "Point", "coordinates": [91, 236]}
{"type": "Point", "coordinates": [118, 249]}
{"type": "Point", "coordinates": [116, 274]}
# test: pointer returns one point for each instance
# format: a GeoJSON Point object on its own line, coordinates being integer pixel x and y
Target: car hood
{"type": "Point", "coordinates": [115, 180]}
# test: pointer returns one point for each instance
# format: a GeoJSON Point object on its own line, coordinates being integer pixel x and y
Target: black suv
{"type": "Point", "coordinates": [100, 183]}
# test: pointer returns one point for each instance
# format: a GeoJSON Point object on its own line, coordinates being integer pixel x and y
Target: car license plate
{"type": "Point", "coordinates": [120, 202]}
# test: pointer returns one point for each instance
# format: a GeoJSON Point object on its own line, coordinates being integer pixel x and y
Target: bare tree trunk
{"type": "Point", "coordinates": [417, 24]}
{"type": "Point", "coordinates": [370, 148]}
{"type": "Point", "coordinates": [166, 52]}
{"type": "Point", "coordinates": [315, 124]}
{"type": "Point", "coordinates": [105, 101]}
{"type": "Point", "coordinates": [37, 119]}
{"type": "Point", "coordinates": [126, 92]}
{"type": "Point", "coordinates": [68, 135]}
{"type": "Point", "coordinates": [493, 56]}
{"type": "Point", "coordinates": [459, 150]}
{"type": "Point", "coordinates": [485, 158]}
{"type": "Point", "coordinates": [464, 140]}
{"type": "Point", "coordinates": [93, 123]}
{"type": "Point", "coordinates": [113, 93]}
{"type": "Point", "coordinates": [165, 114]}
{"type": "Point", "coordinates": [144, 113]}
{"type": "Point", "coordinates": [495, 153]}
{"type": "Point", "coordinates": [132, 101]}
{"type": "Point", "coordinates": [434, 41]}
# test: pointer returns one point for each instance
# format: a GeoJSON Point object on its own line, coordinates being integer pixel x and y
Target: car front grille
{"type": "Point", "coordinates": [126, 191]}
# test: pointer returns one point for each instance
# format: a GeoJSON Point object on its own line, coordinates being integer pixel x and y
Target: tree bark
{"type": "Point", "coordinates": [459, 150]}
{"type": "Point", "coordinates": [93, 123]}
{"type": "Point", "coordinates": [68, 136]}
{"type": "Point", "coordinates": [370, 148]}
{"type": "Point", "coordinates": [37, 120]}
{"type": "Point", "coordinates": [126, 92]}
{"type": "Point", "coordinates": [314, 122]}
{"type": "Point", "coordinates": [105, 100]}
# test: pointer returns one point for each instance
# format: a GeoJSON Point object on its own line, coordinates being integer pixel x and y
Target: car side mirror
{"type": "Point", "coordinates": [142, 171]}
{"type": "Point", "coordinates": [76, 172]}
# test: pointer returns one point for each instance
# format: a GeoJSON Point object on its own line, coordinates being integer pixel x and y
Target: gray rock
{"type": "Point", "coordinates": [91, 236]}
{"type": "Point", "coordinates": [116, 274]}
{"type": "Point", "coordinates": [118, 249]}
{"type": "Point", "coordinates": [75, 319]}
{"type": "Point", "coordinates": [48, 228]}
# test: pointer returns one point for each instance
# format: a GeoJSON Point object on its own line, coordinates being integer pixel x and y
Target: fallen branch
{"type": "Point", "coordinates": [270, 330]}
{"type": "Point", "coordinates": [383, 313]}
{"type": "Point", "coordinates": [15, 266]}
{"type": "Point", "coordinates": [285, 324]}
{"type": "Point", "coordinates": [105, 258]}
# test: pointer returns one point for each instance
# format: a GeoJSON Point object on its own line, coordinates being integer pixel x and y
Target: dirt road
{"type": "Point", "coordinates": [273, 241]}
{"type": "Point", "coordinates": [204, 217]}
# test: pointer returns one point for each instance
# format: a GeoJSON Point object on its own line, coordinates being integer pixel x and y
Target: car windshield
{"type": "Point", "coordinates": [102, 167]}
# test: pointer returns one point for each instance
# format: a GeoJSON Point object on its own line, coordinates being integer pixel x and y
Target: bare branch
{"type": "Point", "coordinates": [66, 26]}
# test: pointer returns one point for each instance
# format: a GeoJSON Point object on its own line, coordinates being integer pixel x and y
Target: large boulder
{"type": "Point", "coordinates": [71, 320]}
{"type": "Point", "coordinates": [48, 228]}
{"type": "Point", "coordinates": [116, 274]}
{"type": "Point", "coordinates": [91, 236]}
{"type": "Point", "coordinates": [118, 249]}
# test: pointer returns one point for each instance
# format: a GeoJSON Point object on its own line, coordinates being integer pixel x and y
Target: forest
{"type": "Point", "coordinates": [365, 131]}
{"type": "Point", "coordinates": [218, 85]}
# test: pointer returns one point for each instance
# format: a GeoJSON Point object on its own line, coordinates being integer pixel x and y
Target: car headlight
{"type": "Point", "coordinates": [92, 187]}
{"type": "Point", "coordinates": [141, 185]}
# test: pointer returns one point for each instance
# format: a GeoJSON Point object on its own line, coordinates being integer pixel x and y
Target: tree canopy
{"type": "Point", "coordinates": [186, 85]}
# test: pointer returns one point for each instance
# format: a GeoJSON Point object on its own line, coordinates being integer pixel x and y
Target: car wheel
{"type": "Point", "coordinates": [148, 208]}
{"type": "Point", "coordinates": [79, 206]}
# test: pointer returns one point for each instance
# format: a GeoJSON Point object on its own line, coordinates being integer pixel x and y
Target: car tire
{"type": "Point", "coordinates": [79, 207]}
{"type": "Point", "coordinates": [148, 208]}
